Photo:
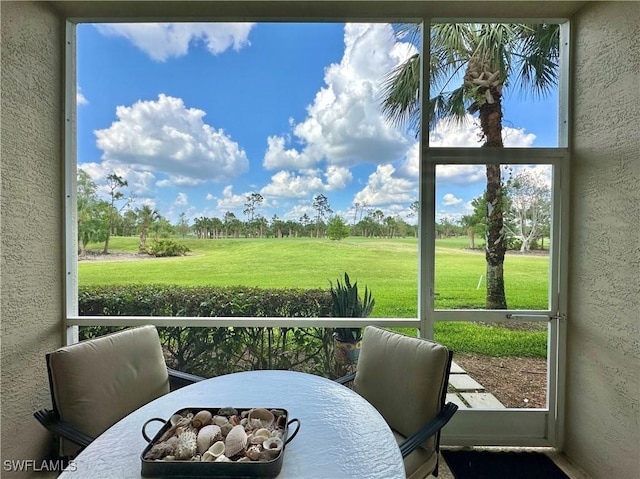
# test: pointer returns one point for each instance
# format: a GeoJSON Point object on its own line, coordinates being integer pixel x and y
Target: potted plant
{"type": "Point", "coordinates": [347, 303]}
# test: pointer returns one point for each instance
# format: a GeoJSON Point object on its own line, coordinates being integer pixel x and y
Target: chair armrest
{"type": "Point", "coordinates": [178, 379]}
{"type": "Point", "coordinates": [428, 430]}
{"type": "Point", "coordinates": [52, 422]}
{"type": "Point", "coordinates": [344, 380]}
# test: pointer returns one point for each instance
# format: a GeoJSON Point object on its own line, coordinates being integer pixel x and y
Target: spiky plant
{"type": "Point", "coordinates": [347, 303]}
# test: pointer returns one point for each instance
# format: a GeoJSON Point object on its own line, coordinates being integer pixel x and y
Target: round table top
{"type": "Point", "coordinates": [341, 435]}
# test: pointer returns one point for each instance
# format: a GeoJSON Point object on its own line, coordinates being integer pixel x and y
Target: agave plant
{"type": "Point", "coordinates": [347, 303]}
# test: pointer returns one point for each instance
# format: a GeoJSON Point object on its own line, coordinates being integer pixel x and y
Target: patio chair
{"type": "Point", "coordinates": [95, 383]}
{"type": "Point", "coordinates": [406, 380]}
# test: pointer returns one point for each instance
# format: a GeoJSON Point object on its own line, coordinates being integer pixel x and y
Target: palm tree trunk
{"type": "Point", "coordinates": [491, 124]}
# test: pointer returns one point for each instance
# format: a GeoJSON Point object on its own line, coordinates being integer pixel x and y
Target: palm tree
{"type": "Point", "coordinates": [482, 59]}
{"type": "Point", "coordinates": [146, 217]}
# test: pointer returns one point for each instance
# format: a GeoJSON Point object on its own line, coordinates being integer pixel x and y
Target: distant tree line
{"type": "Point", "coordinates": [527, 221]}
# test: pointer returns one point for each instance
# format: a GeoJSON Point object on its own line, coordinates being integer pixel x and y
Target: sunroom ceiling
{"type": "Point", "coordinates": [241, 10]}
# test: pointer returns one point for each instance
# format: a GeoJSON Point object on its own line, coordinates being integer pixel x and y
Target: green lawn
{"type": "Point", "coordinates": [387, 266]}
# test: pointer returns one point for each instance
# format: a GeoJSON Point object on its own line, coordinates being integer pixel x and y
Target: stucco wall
{"type": "Point", "coordinates": [602, 423]}
{"type": "Point", "coordinates": [31, 220]}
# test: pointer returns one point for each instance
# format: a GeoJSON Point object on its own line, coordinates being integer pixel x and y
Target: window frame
{"type": "Point", "coordinates": [539, 427]}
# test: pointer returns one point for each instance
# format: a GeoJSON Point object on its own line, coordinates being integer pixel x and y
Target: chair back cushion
{"type": "Point", "coordinates": [403, 378]}
{"type": "Point", "coordinates": [97, 382]}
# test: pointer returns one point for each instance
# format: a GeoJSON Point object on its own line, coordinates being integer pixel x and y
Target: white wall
{"type": "Point", "coordinates": [31, 220]}
{"type": "Point", "coordinates": [603, 389]}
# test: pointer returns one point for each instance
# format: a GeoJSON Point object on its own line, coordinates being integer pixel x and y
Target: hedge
{"type": "Point", "coordinates": [215, 351]}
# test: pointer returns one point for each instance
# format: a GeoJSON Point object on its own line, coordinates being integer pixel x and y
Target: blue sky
{"type": "Point", "coordinates": [197, 116]}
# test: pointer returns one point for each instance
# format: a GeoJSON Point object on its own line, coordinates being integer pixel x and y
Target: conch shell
{"type": "Point", "coordinates": [235, 441]}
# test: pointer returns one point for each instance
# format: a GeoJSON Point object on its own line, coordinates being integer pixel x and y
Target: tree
{"type": "Point", "coordinates": [529, 207]}
{"type": "Point", "coordinates": [252, 201]}
{"type": "Point", "coordinates": [322, 208]}
{"type": "Point", "coordinates": [114, 184]}
{"type": "Point", "coordinates": [146, 217]}
{"type": "Point", "coordinates": [491, 56]}
{"type": "Point", "coordinates": [337, 229]}
{"type": "Point", "coordinates": [183, 225]}
{"type": "Point", "coordinates": [91, 212]}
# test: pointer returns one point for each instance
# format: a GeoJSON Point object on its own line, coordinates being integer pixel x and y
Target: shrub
{"type": "Point", "coordinates": [214, 351]}
{"type": "Point", "coordinates": [166, 247]}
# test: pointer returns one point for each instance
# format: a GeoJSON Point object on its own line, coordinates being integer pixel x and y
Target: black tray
{"type": "Point", "coordinates": [195, 469]}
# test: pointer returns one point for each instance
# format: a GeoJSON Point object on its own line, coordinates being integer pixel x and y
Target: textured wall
{"type": "Point", "coordinates": [31, 219]}
{"type": "Point", "coordinates": [603, 389]}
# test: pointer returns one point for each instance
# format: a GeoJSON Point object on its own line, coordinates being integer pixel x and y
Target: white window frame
{"type": "Point", "coordinates": [522, 427]}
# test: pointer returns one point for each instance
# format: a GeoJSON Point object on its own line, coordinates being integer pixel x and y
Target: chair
{"type": "Point", "coordinates": [95, 383]}
{"type": "Point", "coordinates": [406, 380]}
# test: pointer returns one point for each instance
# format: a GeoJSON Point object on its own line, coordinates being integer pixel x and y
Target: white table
{"type": "Point", "coordinates": [341, 435]}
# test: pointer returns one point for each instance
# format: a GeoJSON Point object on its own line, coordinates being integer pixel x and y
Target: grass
{"type": "Point", "coordinates": [389, 267]}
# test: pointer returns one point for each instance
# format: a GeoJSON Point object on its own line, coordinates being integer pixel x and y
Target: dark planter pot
{"type": "Point", "coordinates": [348, 351]}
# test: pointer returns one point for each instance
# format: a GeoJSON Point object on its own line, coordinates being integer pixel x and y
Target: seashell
{"type": "Point", "coordinates": [175, 418]}
{"type": "Point", "coordinates": [170, 458]}
{"type": "Point", "coordinates": [186, 446]}
{"type": "Point", "coordinates": [244, 459]}
{"type": "Point", "coordinates": [277, 433]}
{"type": "Point", "coordinates": [253, 439]}
{"type": "Point", "coordinates": [236, 441]}
{"type": "Point", "coordinates": [208, 457]}
{"type": "Point", "coordinates": [273, 446]}
{"type": "Point", "coordinates": [160, 450]}
{"type": "Point", "coordinates": [264, 433]}
{"type": "Point", "coordinates": [253, 452]}
{"type": "Point", "coordinates": [254, 423]}
{"type": "Point", "coordinates": [234, 420]}
{"type": "Point", "coordinates": [226, 429]}
{"type": "Point", "coordinates": [227, 411]}
{"type": "Point", "coordinates": [180, 422]}
{"type": "Point", "coordinates": [203, 418]}
{"type": "Point", "coordinates": [217, 449]}
{"type": "Point", "coordinates": [281, 422]}
{"type": "Point", "coordinates": [220, 420]}
{"type": "Point", "coordinates": [222, 458]}
{"type": "Point", "coordinates": [207, 436]}
{"type": "Point", "coordinates": [265, 416]}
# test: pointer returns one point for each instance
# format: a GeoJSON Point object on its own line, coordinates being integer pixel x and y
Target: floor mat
{"type": "Point", "coordinates": [501, 465]}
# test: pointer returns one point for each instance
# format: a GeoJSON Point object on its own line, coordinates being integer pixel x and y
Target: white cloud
{"type": "Point", "coordinates": [181, 200]}
{"type": "Point", "coordinates": [80, 98]}
{"type": "Point", "coordinates": [166, 40]}
{"type": "Point", "coordinates": [385, 188]}
{"type": "Point", "coordinates": [229, 201]}
{"type": "Point", "coordinates": [344, 125]}
{"type": "Point", "coordinates": [165, 137]}
{"type": "Point", "coordinates": [468, 134]}
{"type": "Point", "coordinates": [277, 157]}
{"type": "Point", "coordinates": [465, 134]}
{"type": "Point", "coordinates": [140, 182]}
{"type": "Point", "coordinates": [209, 197]}
{"type": "Point", "coordinates": [337, 178]}
{"type": "Point", "coordinates": [450, 199]}
{"type": "Point", "coordinates": [286, 184]}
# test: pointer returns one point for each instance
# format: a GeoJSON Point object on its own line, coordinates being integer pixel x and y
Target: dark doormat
{"type": "Point", "coordinates": [501, 465]}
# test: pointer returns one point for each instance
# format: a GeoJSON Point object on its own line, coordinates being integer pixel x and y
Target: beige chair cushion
{"type": "Point", "coordinates": [96, 383]}
{"type": "Point", "coordinates": [404, 379]}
